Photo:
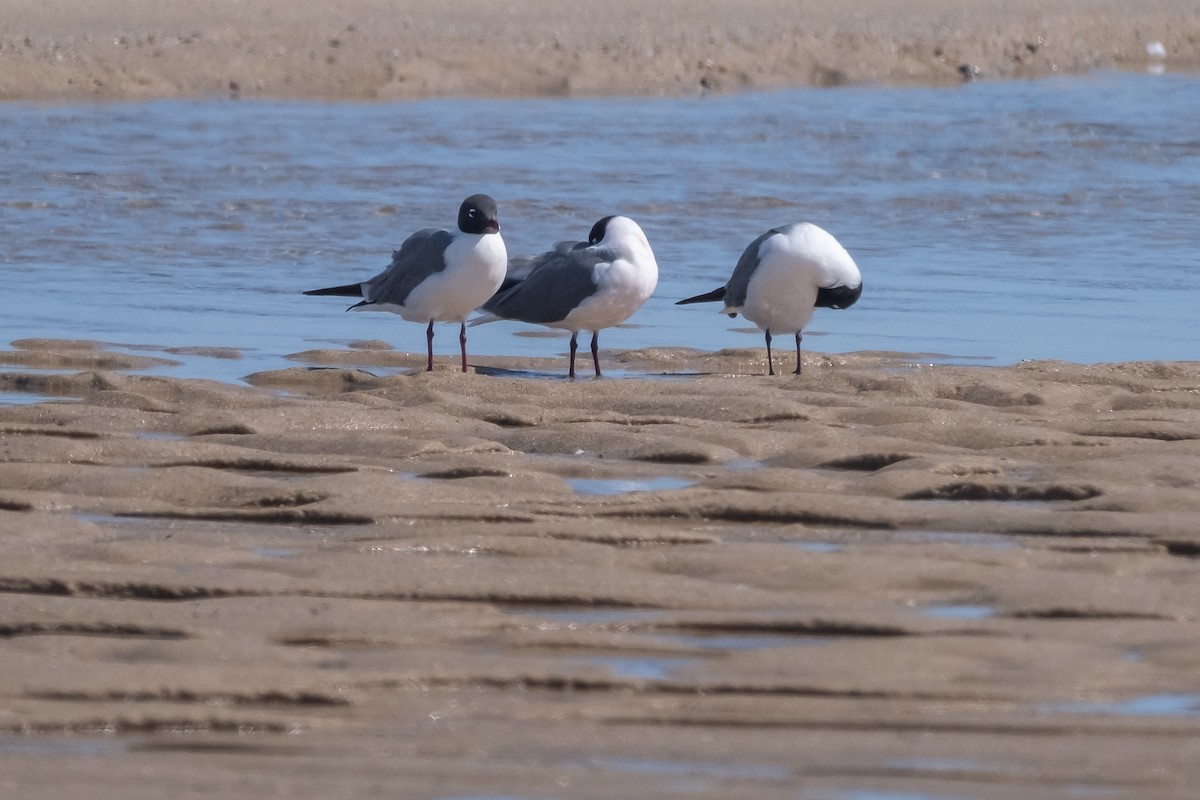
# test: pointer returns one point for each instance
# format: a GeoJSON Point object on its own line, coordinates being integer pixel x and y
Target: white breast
{"type": "Point", "coordinates": [623, 285]}
{"type": "Point", "coordinates": [792, 267]}
{"type": "Point", "coordinates": [474, 271]}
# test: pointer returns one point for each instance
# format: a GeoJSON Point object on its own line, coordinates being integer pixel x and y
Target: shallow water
{"type": "Point", "coordinates": [959, 611]}
{"type": "Point", "coordinates": [12, 744]}
{"type": "Point", "coordinates": [606, 486]}
{"type": "Point", "coordinates": [651, 668]}
{"type": "Point", "coordinates": [1159, 705]}
{"type": "Point", "coordinates": [992, 221]}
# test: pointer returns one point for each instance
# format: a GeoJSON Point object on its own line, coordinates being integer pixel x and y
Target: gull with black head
{"type": "Point", "coordinates": [438, 275]}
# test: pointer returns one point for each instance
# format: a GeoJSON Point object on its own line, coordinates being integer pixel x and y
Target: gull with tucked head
{"type": "Point", "coordinates": [580, 285]}
{"type": "Point", "coordinates": [783, 276]}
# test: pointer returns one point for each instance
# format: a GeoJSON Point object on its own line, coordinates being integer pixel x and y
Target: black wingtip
{"type": "Point", "coordinates": [349, 290]}
{"type": "Point", "coordinates": [710, 297]}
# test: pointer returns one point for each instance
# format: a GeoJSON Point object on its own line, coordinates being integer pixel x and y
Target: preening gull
{"type": "Point", "coordinates": [783, 276]}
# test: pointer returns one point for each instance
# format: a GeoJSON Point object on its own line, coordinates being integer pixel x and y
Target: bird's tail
{"type": "Point", "coordinates": [349, 290]}
{"type": "Point", "coordinates": [710, 297]}
{"type": "Point", "coordinates": [482, 319]}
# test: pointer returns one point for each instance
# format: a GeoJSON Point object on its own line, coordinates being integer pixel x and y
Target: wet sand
{"type": "Point", "coordinates": [370, 49]}
{"type": "Point", "coordinates": [881, 576]}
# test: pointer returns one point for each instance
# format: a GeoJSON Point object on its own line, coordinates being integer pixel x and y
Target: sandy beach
{"type": "Point", "coordinates": [884, 578]}
{"type": "Point", "coordinates": [518, 586]}
{"type": "Point", "coordinates": [375, 50]}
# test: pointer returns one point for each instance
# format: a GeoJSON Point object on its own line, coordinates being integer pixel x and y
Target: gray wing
{"type": "Point", "coordinates": [555, 283]}
{"type": "Point", "coordinates": [519, 267]}
{"type": "Point", "coordinates": [421, 255]}
{"type": "Point", "coordinates": [739, 281]}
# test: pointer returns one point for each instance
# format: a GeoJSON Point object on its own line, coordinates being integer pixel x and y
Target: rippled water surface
{"type": "Point", "coordinates": [992, 221]}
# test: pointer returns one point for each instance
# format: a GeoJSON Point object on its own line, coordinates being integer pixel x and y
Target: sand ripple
{"type": "Point", "coordinates": [696, 565]}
